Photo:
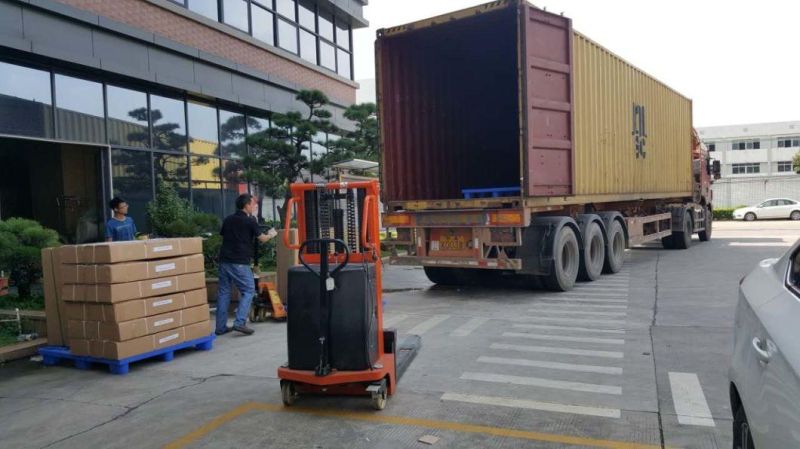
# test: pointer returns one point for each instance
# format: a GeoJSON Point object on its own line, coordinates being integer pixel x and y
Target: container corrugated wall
{"type": "Point", "coordinates": [607, 91]}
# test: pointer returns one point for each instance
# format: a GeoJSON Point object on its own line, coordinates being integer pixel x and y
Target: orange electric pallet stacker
{"type": "Point", "coordinates": [336, 340]}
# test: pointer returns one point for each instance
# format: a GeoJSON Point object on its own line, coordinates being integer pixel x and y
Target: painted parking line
{"type": "Point", "coordinates": [557, 310]}
{"type": "Point", "coordinates": [583, 306]}
{"type": "Point", "coordinates": [380, 418]}
{"type": "Point", "coordinates": [533, 405]}
{"type": "Point", "coordinates": [428, 324]}
{"type": "Point", "coordinates": [548, 319]}
{"type": "Point", "coordinates": [560, 351]}
{"type": "Point", "coordinates": [615, 370]}
{"type": "Point", "coordinates": [565, 338]}
{"type": "Point", "coordinates": [570, 299]}
{"type": "Point", "coordinates": [567, 328]}
{"type": "Point", "coordinates": [467, 328]}
{"type": "Point", "coordinates": [393, 320]}
{"type": "Point", "coordinates": [596, 294]}
{"type": "Point", "coordinates": [765, 244]}
{"type": "Point", "coordinates": [543, 383]}
{"type": "Point", "coordinates": [690, 402]}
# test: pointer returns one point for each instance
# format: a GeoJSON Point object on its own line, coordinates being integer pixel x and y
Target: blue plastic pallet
{"type": "Point", "coordinates": [492, 192]}
{"type": "Point", "coordinates": [52, 355]}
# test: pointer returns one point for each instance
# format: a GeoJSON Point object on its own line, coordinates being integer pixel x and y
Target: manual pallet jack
{"type": "Point", "coordinates": [336, 340]}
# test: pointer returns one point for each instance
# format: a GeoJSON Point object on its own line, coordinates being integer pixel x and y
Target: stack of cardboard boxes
{"type": "Point", "coordinates": [123, 299]}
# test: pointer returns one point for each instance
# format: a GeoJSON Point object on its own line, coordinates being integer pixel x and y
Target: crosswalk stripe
{"type": "Point", "coordinates": [467, 328]}
{"type": "Point", "coordinates": [552, 365]}
{"type": "Point", "coordinates": [690, 402]}
{"type": "Point", "coordinates": [568, 328]}
{"type": "Point", "coordinates": [575, 312]}
{"type": "Point", "coordinates": [583, 306]}
{"type": "Point", "coordinates": [580, 299]}
{"type": "Point", "coordinates": [533, 405]}
{"type": "Point", "coordinates": [560, 351]}
{"type": "Point", "coordinates": [595, 294]}
{"type": "Point", "coordinates": [569, 320]}
{"type": "Point", "coordinates": [428, 324]}
{"type": "Point", "coordinates": [543, 383]}
{"type": "Point", "coordinates": [394, 319]}
{"type": "Point", "coordinates": [607, 341]}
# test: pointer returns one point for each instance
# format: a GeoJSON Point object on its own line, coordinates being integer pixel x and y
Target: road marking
{"type": "Point", "coordinates": [533, 405]}
{"type": "Point", "coordinates": [552, 365]}
{"type": "Point", "coordinates": [584, 306]}
{"type": "Point", "coordinates": [607, 341]}
{"type": "Point", "coordinates": [543, 383]}
{"type": "Point", "coordinates": [690, 402]}
{"type": "Point", "coordinates": [560, 351]}
{"type": "Point", "coordinates": [452, 426]}
{"type": "Point", "coordinates": [428, 324]}
{"type": "Point", "coordinates": [576, 312]}
{"type": "Point", "coordinates": [780, 244]}
{"type": "Point", "coordinates": [596, 294]}
{"type": "Point", "coordinates": [568, 328]}
{"type": "Point", "coordinates": [467, 328]}
{"type": "Point", "coordinates": [579, 299]}
{"type": "Point", "coordinates": [568, 320]}
{"type": "Point", "coordinates": [394, 319]}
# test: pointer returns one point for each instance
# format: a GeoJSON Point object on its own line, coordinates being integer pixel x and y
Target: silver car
{"type": "Point", "coordinates": [764, 382]}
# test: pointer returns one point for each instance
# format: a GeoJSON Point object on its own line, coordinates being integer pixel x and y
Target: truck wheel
{"type": "Point", "coordinates": [445, 276]}
{"type": "Point", "coordinates": [683, 239]}
{"type": "Point", "coordinates": [594, 253]}
{"type": "Point", "coordinates": [615, 251]}
{"type": "Point", "coordinates": [705, 235]}
{"type": "Point", "coordinates": [566, 261]}
{"type": "Point", "coordinates": [668, 242]}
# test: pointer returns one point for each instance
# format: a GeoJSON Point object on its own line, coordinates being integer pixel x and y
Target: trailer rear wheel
{"type": "Point", "coordinates": [594, 253]}
{"type": "Point", "coordinates": [615, 251]}
{"type": "Point", "coordinates": [566, 261]}
{"type": "Point", "coordinates": [705, 235]}
{"type": "Point", "coordinates": [445, 276]}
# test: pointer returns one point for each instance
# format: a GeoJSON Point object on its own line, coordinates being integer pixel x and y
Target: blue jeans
{"type": "Point", "coordinates": [242, 276]}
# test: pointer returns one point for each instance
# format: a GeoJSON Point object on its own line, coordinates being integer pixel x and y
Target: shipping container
{"type": "Point", "coordinates": [505, 95]}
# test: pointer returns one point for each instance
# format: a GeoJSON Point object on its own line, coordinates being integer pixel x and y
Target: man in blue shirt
{"type": "Point", "coordinates": [120, 227]}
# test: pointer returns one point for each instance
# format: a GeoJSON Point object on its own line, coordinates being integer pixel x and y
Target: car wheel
{"type": "Point", "coordinates": [742, 439]}
{"type": "Point", "coordinates": [795, 215]}
{"type": "Point", "coordinates": [749, 216]}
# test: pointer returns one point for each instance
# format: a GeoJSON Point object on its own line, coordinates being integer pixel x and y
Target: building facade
{"type": "Point", "coordinates": [756, 161]}
{"type": "Point", "coordinates": [111, 98]}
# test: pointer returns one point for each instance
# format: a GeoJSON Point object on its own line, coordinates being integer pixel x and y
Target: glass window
{"type": "Point", "coordinates": [307, 20]}
{"type": "Point", "coordinates": [256, 125]}
{"type": "Point", "coordinates": [127, 117]}
{"type": "Point", "coordinates": [326, 25]}
{"type": "Point", "coordinates": [342, 34]}
{"type": "Point", "coordinates": [233, 184]}
{"type": "Point", "coordinates": [263, 25]}
{"type": "Point", "coordinates": [169, 123]}
{"type": "Point", "coordinates": [206, 8]}
{"type": "Point", "coordinates": [287, 36]}
{"type": "Point", "coordinates": [308, 46]}
{"type": "Point", "coordinates": [80, 113]}
{"type": "Point", "coordinates": [206, 185]}
{"type": "Point", "coordinates": [234, 13]}
{"type": "Point", "coordinates": [344, 63]}
{"type": "Point", "coordinates": [327, 55]}
{"type": "Point", "coordinates": [232, 133]}
{"type": "Point", "coordinates": [132, 176]}
{"type": "Point", "coordinates": [203, 129]}
{"type": "Point", "coordinates": [286, 8]}
{"type": "Point", "coordinates": [26, 104]}
{"type": "Point", "coordinates": [756, 144]}
{"type": "Point", "coordinates": [173, 170]}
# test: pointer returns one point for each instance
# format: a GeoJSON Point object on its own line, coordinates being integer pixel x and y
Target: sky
{"type": "Point", "coordinates": [739, 61]}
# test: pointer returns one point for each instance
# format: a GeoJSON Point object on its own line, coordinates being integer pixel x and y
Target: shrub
{"type": "Point", "coordinates": [21, 243]}
{"type": "Point", "coordinates": [725, 213]}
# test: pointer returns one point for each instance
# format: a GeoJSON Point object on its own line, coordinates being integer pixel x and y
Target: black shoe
{"type": "Point", "coordinates": [223, 332]}
{"type": "Point", "coordinates": [243, 329]}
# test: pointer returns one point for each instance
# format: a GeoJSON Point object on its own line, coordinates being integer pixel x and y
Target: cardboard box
{"type": "Point", "coordinates": [137, 308]}
{"type": "Point", "coordinates": [54, 306]}
{"type": "Point", "coordinates": [121, 350]}
{"type": "Point", "coordinates": [113, 293]}
{"type": "Point", "coordinates": [128, 330]}
{"type": "Point", "coordinates": [131, 271]}
{"type": "Point", "coordinates": [114, 252]}
{"type": "Point", "coordinates": [198, 330]}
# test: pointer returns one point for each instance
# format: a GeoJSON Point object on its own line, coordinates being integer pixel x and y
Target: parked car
{"type": "Point", "coordinates": [765, 369]}
{"type": "Point", "coordinates": [774, 208]}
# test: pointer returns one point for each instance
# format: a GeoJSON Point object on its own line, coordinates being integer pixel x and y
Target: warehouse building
{"type": "Point", "coordinates": [756, 161]}
{"type": "Point", "coordinates": [105, 98]}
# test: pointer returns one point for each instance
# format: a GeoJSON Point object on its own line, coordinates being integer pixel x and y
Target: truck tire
{"type": "Point", "coordinates": [668, 242]}
{"type": "Point", "coordinates": [615, 249]}
{"type": "Point", "coordinates": [705, 235]}
{"type": "Point", "coordinates": [445, 276]}
{"type": "Point", "coordinates": [566, 261]}
{"type": "Point", "coordinates": [593, 255]}
{"type": "Point", "coordinates": [683, 239]}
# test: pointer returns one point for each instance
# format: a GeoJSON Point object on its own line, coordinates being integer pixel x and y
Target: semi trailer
{"type": "Point", "coordinates": [514, 147]}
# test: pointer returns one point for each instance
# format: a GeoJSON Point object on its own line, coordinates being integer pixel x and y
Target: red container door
{"type": "Point", "coordinates": [547, 54]}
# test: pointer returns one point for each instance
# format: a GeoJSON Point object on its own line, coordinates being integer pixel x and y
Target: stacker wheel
{"type": "Point", "coordinates": [288, 394]}
{"type": "Point", "coordinates": [566, 261]}
{"type": "Point", "coordinates": [379, 397]}
{"type": "Point", "coordinates": [705, 235]}
{"type": "Point", "coordinates": [615, 251]}
{"type": "Point", "coordinates": [593, 253]}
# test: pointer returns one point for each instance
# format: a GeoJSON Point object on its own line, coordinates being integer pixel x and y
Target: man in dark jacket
{"type": "Point", "coordinates": [239, 233]}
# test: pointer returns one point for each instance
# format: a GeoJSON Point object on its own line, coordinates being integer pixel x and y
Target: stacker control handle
{"type": "Point", "coordinates": [323, 243]}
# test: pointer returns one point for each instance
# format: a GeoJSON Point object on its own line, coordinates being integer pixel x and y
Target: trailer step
{"type": "Point", "coordinates": [492, 192]}
{"type": "Point", "coordinates": [52, 355]}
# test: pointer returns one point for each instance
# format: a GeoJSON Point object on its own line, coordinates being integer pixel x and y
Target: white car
{"type": "Point", "coordinates": [774, 208]}
{"type": "Point", "coordinates": [765, 369]}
